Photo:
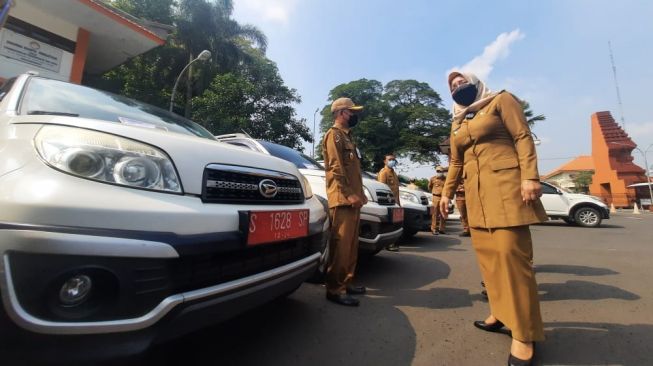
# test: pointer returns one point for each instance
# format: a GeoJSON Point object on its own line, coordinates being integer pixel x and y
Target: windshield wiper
{"type": "Point", "coordinates": [53, 113]}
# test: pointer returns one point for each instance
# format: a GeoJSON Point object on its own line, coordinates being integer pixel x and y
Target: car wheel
{"type": "Point", "coordinates": [320, 271]}
{"type": "Point", "coordinates": [409, 233]}
{"type": "Point", "coordinates": [587, 217]}
{"type": "Point", "coordinates": [569, 221]}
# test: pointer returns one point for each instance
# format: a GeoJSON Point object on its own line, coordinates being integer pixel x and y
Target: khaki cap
{"type": "Point", "coordinates": [345, 103]}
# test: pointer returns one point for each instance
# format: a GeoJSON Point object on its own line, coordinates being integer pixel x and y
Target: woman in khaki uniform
{"type": "Point", "coordinates": [493, 150]}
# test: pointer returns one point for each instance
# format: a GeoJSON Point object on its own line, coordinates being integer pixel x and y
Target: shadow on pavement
{"type": "Point", "coordinates": [582, 290]}
{"type": "Point", "coordinates": [564, 224]}
{"type": "Point", "coordinates": [597, 344]}
{"type": "Point", "coordinates": [430, 243]}
{"type": "Point", "coordinates": [573, 270]}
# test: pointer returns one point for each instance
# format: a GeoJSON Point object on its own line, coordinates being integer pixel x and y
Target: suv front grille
{"type": "Point", "coordinates": [385, 198]}
{"type": "Point", "coordinates": [424, 200]}
{"type": "Point", "coordinates": [233, 184]}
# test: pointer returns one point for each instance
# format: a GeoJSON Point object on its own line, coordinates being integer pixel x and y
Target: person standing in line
{"type": "Point", "coordinates": [462, 209]}
{"type": "Point", "coordinates": [436, 184]}
{"type": "Point", "coordinates": [388, 176]}
{"type": "Point", "coordinates": [346, 197]}
{"type": "Point", "coordinates": [492, 149]}
{"type": "Point", "coordinates": [412, 185]}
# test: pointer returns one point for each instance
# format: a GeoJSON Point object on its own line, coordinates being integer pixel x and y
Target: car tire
{"type": "Point", "coordinates": [409, 233]}
{"type": "Point", "coordinates": [320, 271]}
{"type": "Point", "coordinates": [587, 217]}
{"type": "Point", "coordinates": [569, 221]}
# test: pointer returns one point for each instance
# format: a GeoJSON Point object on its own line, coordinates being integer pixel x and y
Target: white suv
{"type": "Point", "coordinates": [418, 210]}
{"type": "Point", "coordinates": [378, 229]}
{"type": "Point", "coordinates": [573, 208]}
{"type": "Point", "coordinates": [123, 224]}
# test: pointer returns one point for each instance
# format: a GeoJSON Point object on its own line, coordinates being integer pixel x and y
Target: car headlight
{"type": "Point", "coordinates": [308, 191]}
{"type": "Point", "coordinates": [368, 194]}
{"type": "Point", "coordinates": [406, 196]}
{"type": "Point", "coordinates": [106, 158]}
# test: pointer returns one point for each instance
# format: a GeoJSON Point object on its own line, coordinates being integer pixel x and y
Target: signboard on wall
{"type": "Point", "coordinates": [30, 51]}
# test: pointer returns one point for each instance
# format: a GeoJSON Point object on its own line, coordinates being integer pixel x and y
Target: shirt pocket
{"type": "Point", "coordinates": [349, 152]}
{"type": "Point", "coordinates": [502, 164]}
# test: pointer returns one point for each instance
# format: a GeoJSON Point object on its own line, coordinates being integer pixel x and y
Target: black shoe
{"type": "Point", "coordinates": [494, 327]}
{"type": "Point", "coordinates": [465, 233]}
{"type": "Point", "coordinates": [442, 232]}
{"type": "Point", "coordinates": [343, 299]}
{"type": "Point", "coordinates": [434, 232]}
{"type": "Point", "coordinates": [514, 361]}
{"type": "Point", "coordinates": [356, 290]}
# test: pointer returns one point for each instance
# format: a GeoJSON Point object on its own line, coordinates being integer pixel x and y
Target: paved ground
{"type": "Point", "coordinates": [595, 287]}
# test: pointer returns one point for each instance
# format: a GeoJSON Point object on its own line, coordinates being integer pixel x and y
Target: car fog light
{"type": "Point", "coordinates": [75, 290]}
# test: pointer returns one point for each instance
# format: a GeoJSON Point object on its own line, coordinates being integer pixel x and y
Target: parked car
{"type": "Point", "coordinates": [573, 208]}
{"type": "Point", "coordinates": [377, 227]}
{"type": "Point", "coordinates": [418, 210]}
{"type": "Point", "coordinates": [124, 225]}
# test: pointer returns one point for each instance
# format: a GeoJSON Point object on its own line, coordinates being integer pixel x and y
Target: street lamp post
{"type": "Point", "coordinates": [647, 169]}
{"type": "Point", "coordinates": [314, 113]}
{"type": "Point", "coordinates": [203, 56]}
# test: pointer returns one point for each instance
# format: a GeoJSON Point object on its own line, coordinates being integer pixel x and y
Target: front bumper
{"type": "Point", "coordinates": [376, 232]}
{"type": "Point", "coordinates": [417, 219]}
{"type": "Point", "coordinates": [605, 213]}
{"type": "Point", "coordinates": [147, 291]}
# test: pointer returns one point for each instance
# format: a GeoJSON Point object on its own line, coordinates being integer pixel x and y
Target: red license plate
{"type": "Point", "coordinates": [397, 215]}
{"type": "Point", "coordinates": [273, 226]}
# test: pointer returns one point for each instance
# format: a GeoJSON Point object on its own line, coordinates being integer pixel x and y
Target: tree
{"type": "Point", "coordinates": [405, 117]}
{"type": "Point", "coordinates": [255, 100]}
{"type": "Point", "coordinates": [582, 181]}
{"type": "Point", "coordinates": [530, 118]}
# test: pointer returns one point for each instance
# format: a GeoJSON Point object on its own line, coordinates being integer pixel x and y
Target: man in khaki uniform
{"type": "Point", "coordinates": [346, 197]}
{"type": "Point", "coordinates": [436, 184]}
{"type": "Point", "coordinates": [462, 208]}
{"type": "Point", "coordinates": [388, 176]}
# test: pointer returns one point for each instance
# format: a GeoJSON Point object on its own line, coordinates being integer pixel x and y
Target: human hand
{"type": "Point", "coordinates": [530, 190]}
{"type": "Point", "coordinates": [355, 201]}
{"type": "Point", "coordinates": [444, 206]}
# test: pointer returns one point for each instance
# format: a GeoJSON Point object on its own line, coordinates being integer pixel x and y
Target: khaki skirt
{"type": "Point", "coordinates": [505, 257]}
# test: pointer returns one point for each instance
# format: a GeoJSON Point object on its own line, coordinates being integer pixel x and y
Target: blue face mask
{"type": "Point", "coordinates": [392, 163]}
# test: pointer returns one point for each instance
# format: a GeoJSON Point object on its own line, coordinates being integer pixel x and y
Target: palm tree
{"type": "Point", "coordinates": [203, 24]}
{"type": "Point", "coordinates": [530, 119]}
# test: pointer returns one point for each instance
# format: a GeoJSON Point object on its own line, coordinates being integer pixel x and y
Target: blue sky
{"type": "Point", "coordinates": [554, 54]}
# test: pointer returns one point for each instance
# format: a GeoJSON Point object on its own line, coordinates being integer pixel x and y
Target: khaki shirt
{"type": "Point", "coordinates": [493, 151]}
{"type": "Point", "coordinates": [436, 185]}
{"type": "Point", "coordinates": [342, 166]}
{"type": "Point", "coordinates": [389, 177]}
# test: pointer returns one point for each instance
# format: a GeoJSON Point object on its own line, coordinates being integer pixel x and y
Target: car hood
{"type": "Point", "coordinates": [190, 154]}
{"type": "Point", "coordinates": [371, 184]}
{"type": "Point", "coordinates": [584, 197]}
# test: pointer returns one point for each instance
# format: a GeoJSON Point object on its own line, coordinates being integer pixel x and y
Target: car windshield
{"type": "Point", "coordinates": [300, 160]}
{"type": "Point", "coordinates": [53, 97]}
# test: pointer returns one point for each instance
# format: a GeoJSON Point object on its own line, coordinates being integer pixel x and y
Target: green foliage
{"type": "Point", "coordinates": [405, 117]}
{"type": "Point", "coordinates": [530, 118]}
{"type": "Point", "coordinates": [238, 89]}
{"type": "Point", "coordinates": [255, 100]}
{"type": "Point", "coordinates": [582, 181]}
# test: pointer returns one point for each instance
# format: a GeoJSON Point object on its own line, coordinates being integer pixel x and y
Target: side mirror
{"type": "Point", "coordinates": [559, 191]}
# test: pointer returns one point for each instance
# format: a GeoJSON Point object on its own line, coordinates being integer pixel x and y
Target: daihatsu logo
{"type": "Point", "coordinates": [268, 188]}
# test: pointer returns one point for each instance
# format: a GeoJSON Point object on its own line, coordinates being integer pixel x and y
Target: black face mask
{"type": "Point", "coordinates": [353, 120]}
{"type": "Point", "coordinates": [465, 94]}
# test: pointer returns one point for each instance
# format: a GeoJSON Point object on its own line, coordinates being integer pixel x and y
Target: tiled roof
{"type": "Point", "coordinates": [581, 163]}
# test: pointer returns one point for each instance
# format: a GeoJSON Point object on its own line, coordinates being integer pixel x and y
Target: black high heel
{"type": "Point", "coordinates": [514, 361]}
{"type": "Point", "coordinates": [494, 327]}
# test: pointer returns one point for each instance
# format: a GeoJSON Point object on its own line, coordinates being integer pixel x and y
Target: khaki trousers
{"type": "Point", "coordinates": [462, 209]}
{"type": "Point", "coordinates": [504, 257]}
{"type": "Point", "coordinates": [437, 221]}
{"type": "Point", "coordinates": [343, 248]}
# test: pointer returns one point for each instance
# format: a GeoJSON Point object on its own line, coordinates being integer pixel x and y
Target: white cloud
{"type": "Point", "coordinates": [499, 49]}
{"type": "Point", "coordinates": [273, 11]}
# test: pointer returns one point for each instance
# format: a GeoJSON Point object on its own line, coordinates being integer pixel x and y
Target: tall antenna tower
{"type": "Point", "coordinates": [616, 85]}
